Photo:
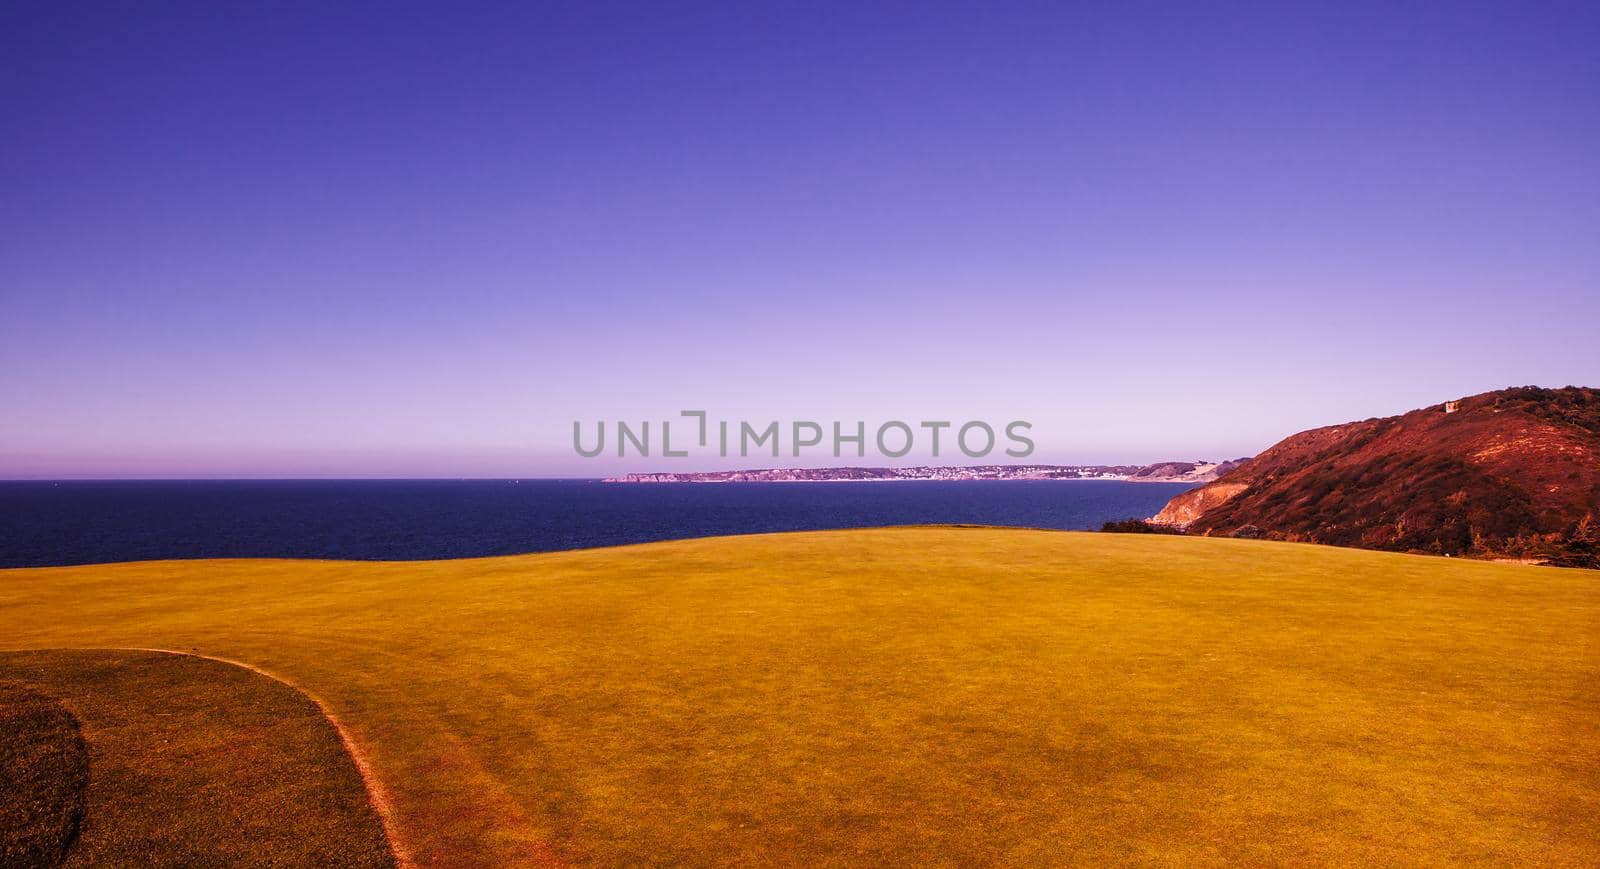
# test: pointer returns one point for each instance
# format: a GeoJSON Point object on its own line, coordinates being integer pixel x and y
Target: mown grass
{"type": "Point", "coordinates": [188, 762]}
{"type": "Point", "coordinates": [919, 695]}
{"type": "Point", "coordinates": [44, 769]}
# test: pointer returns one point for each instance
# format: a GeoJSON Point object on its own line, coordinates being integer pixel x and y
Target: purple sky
{"type": "Point", "coordinates": [422, 243]}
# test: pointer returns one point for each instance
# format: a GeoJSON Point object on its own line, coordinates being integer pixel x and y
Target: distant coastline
{"type": "Point", "coordinates": [1163, 472]}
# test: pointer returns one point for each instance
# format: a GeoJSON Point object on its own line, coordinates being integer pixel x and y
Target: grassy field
{"type": "Point", "coordinates": [918, 695]}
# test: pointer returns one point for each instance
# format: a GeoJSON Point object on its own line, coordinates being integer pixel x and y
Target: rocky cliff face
{"type": "Point", "coordinates": [1514, 472]}
{"type": "Point", "coordinates": [1185, 472]}
{"type": "Point", "coordinates": [1187, 508]}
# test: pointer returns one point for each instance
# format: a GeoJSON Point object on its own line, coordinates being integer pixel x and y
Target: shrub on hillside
{"type": "Point", "coordinates": [1138, 526]}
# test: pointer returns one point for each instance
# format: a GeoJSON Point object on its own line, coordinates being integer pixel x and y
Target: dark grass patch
{"type": "Point", "coordinates": [44, 770]}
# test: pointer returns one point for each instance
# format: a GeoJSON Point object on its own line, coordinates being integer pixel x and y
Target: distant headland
{"type": "Point", "coordinates": [1164, 472]}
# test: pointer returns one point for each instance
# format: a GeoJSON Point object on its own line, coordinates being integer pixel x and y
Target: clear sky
{"type": "Point", "coordinates": [288, 240]}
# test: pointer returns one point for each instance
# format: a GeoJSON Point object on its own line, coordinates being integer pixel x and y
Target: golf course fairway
{"type": "Point", "coordinates": [928, 695]}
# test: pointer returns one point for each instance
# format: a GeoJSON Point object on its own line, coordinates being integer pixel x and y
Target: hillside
{"type": "Point", "coordinates": [905, 696]}
{"type": "Point", "coordinates": [1512, 473]}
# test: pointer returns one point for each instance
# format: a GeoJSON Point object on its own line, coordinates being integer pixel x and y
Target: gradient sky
{"type": "Point", "coordinates": [294, 241]}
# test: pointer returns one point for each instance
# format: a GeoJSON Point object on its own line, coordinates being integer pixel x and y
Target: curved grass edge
{"type": "Point", "coordinates": [377, 794]}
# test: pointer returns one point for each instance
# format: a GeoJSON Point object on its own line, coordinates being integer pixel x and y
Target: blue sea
{"type": "Point", "coordinates": [55, 523]}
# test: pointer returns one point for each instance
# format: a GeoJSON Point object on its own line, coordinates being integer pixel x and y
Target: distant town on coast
{"type": "Point", "coordinates": [1164, 472]}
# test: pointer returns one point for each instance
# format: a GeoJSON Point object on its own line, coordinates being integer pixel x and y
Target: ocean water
{"type": "Point", "coordinates": [55, 523]}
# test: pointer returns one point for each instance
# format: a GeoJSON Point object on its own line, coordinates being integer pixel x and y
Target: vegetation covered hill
{"type": "Point", "coordinates": [1508, 473]}
{"type": "Point", "coordinates": [953, 696]}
